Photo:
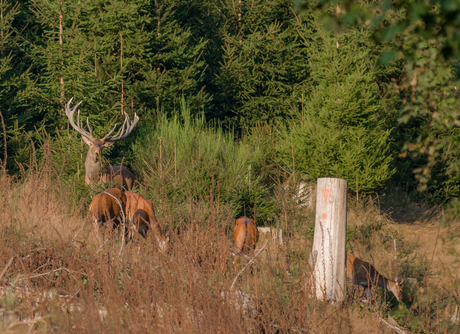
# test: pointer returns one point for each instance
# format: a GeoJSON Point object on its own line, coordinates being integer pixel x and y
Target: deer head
{"type": "Point", "coordinates": [397, 290]}
{"type": "Point", "coordinates": [94, 143]}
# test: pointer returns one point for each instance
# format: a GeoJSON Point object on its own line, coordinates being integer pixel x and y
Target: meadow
{"type": "Point", "coordinates": [239, 106]}
{"type": "Point", "coordinates": [58, 275]}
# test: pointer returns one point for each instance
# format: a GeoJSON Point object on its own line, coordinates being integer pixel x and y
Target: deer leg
{"type": "Point", "coordinates": [142, 230]}
{"type": "Point", "coordinates": [115, 224]}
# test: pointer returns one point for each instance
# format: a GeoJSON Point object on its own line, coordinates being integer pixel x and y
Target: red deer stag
{"type": "Point", "coordinates": [246, 235]}
{"type": "Point", "coordinates": [95, 171]}
{"type": "Point", "coordinates": [364, 274]}
{"type": "Point", "coordinates": [140, 212]}
{"type": "Point", "coordinates": [108, 207]}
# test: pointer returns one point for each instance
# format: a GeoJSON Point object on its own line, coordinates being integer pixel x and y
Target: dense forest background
{"type": "Point", "coordinates": [239, 95]}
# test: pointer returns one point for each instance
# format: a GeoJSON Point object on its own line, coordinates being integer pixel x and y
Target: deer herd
{"type": "Point", "coordinates": [114, 207]}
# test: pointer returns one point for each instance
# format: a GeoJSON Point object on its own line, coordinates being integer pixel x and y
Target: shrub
{"type": "Point", "coordinates": [184, 157]}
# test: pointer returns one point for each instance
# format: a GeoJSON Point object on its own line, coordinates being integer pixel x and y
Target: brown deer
{"type": "Point", "coordinates": [108, 207]}
{"type": "Point", "coordinates": [95, 171]}
{"type": "Point", "coordinates": [246, 235]}
{"type": "Point", "coordinates": [140, 213]}
{"type": "Point", "coordinates": [364, 274]}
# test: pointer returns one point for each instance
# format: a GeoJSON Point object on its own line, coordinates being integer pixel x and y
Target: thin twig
{"type": "Point", "coordinates": [300, 330]}
{"type": "Point", "coordinates": [44, 274]}
{"type": "Point", "coordinates": [397, 329]}
{"type": "Point", "coordinates": [27, 322]}
{"type": "Point", "coordinates": [123, 218]}
{"type": "Point", "coordinates": [34, 156]}
{"type": "Point", "coordinates": [250, 261]}
{"type": "Point", "coordinates": [4, 142]}
{"type": "Point", "coordinates": [6, 267]}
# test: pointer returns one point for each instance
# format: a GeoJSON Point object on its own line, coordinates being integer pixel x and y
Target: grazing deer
{"type": "Point", "coordinates": [95, 171]}
{"type": "Point", "coordinates": [140, 212]}
{"type": "Point", "coordinates": [364, 274]}
{"type": "Point", "coordinates": [108, 207]}
{"type": "Point", "coordinates": [246, 235]}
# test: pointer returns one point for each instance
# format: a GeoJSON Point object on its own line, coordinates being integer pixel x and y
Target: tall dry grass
{"type": "Point", "coordinates": [59, 274]}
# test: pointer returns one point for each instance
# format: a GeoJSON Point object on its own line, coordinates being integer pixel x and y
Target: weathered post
{"type": "Point", "coordinates": [328, 254]}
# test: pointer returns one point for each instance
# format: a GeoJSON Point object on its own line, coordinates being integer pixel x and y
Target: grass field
{"type": "Point", "coordinates": [59, 274]}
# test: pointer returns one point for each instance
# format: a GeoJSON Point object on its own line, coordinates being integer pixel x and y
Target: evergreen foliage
{"type": "Point", "coordinates": [14, 117]}
{"type": "Point", "coordinates": [263, 65]}
{"type": "Point", "coordinates": [175, 64]}
{"type": "Point", "coordinates": [341, 131]}
{"type": "Point", "coordinates": [263, 75]}
{"type": "Point", "coordinates": [111, 54]}
{"type": "Point", "coordinates": [424, 36]}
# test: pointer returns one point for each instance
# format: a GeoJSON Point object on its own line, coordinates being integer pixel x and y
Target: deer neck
{"type": "Point", "coordinates": [92, 167]}
{"type": "Point", "coordinates": [383, 282]}
{"type": "Point", "coordinates": [388, 284]}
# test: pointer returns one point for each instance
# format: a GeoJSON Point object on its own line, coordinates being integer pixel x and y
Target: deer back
{"type": "Point", "coordinates": [136, 203]}
{"type": "Point", "coordinates": [245, 234]}
{"type": "Point", "coordinates": [140, 212]}
{"type": "Point", "coordinates": [363, 273]}
{"type": "Point", "coordinates": [107, 206]}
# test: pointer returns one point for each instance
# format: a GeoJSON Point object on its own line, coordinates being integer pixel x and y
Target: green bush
{"type": "Point", "coordinates": [183, 158]}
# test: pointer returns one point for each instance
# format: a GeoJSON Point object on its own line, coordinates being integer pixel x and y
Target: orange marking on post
{"type": "Point", "coordinates": [324, 216]}
{"type": "Point", "coordinates": [326, 195]}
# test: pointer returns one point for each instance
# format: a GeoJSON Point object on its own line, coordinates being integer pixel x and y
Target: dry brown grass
{"type": "Point", "coordinates": [410, 241]}
{"type": "Point", "coordinates": [58, 276]}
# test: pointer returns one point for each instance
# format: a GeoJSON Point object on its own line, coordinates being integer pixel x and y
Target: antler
{"type": "Point", "coordinates": [70, 112]}
{"type": "Point", "coordinates": [121, 134]}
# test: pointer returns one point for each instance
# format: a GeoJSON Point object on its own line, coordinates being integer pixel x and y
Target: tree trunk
{"type": "Point", "coordinates": [61, 41]}
{"type": "Point", "coordinates": [328, 253]}
{"type": "Point", "coordinates": [121, 71]}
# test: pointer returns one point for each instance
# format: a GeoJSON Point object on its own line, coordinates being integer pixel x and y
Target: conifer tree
{"type": "Point", "coordinates": [61, 64]}
{"type": "Point", "coordinates": [255, 61]}
{"type": "Point", "coordinates": [117, 55]}
{"type": "Point", "coordinates": [264, 63]}
{"type": "Point", "coordinates": [176, 64]}
{"type": "Point", "coordinates": [342, 130]}
{"type": "Point", "coordinates": [11, 69]}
